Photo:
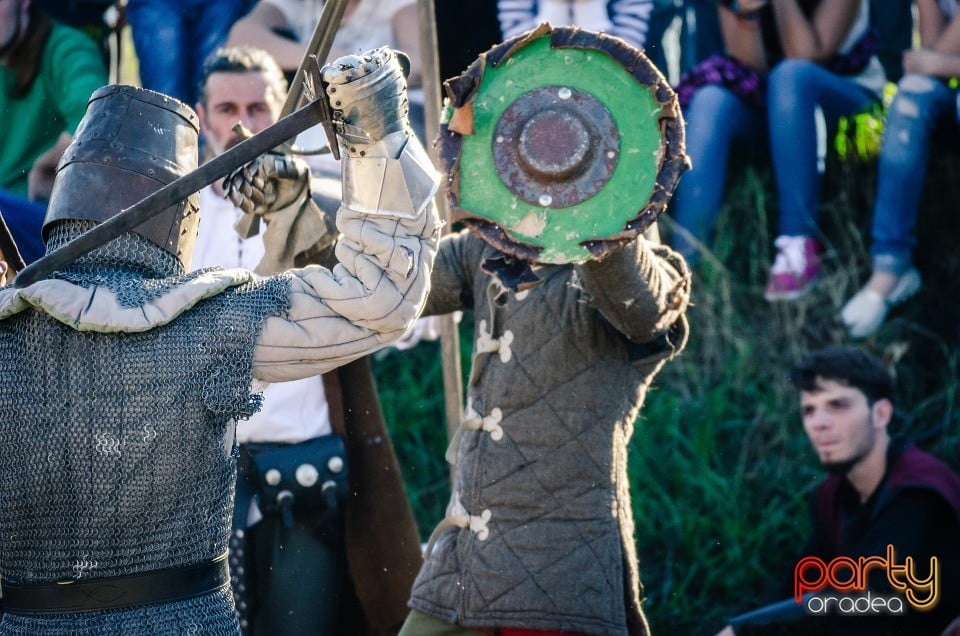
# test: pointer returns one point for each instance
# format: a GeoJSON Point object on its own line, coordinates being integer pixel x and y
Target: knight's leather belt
{"type": "Point", "coordinates": [119, 592]}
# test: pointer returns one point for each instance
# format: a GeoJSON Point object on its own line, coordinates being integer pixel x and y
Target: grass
{"type": "Point", "coordinates": [720, 469]}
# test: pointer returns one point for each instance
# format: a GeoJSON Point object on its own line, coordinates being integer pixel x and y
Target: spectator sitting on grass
{"type": "Point", "coordinates": [924, 104]}
{"type": "Point", "coordinates": [880, 492]}
{"type": "Point", "coordinates": [785, 60]}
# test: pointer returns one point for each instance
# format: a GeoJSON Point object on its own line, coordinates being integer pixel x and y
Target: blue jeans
{"type": "Point", "coordinates": [174, 37]}
{"type": "Point", "coordinates": [24, 219]}
{"type": "Point", "coordinates": [716, 118]}
{"type": "Point", "coordinates": [921, 104]}
{"type": "Point", "coordinates": [795, 88]}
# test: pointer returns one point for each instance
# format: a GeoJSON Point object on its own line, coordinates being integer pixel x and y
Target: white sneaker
{"type": "Point", "coordinates": [795, 269]}
{"type": "Point", "coordinates": [864, 313]}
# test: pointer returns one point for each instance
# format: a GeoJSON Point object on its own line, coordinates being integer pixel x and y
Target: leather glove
{"type": "Point", "coordinates": [368, 94]}
{"type": "Point", "coordinates": [270, 182]}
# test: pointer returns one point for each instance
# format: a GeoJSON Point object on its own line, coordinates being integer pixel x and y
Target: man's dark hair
{"type": "Point", "coordinates": [849, 366]}
{"type": "Point", "coordinates": [244, 59]}
{"type": "Point", "coordinates": [23, 60]}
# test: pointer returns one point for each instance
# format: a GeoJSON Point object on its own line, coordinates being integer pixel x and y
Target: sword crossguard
{"type": "Point", "coordinates": [313, 81]}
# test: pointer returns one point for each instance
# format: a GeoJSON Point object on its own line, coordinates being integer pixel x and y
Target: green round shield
{"type": "Point", "coordinates": [561, 145]}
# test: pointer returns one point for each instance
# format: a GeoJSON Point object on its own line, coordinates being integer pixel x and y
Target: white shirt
{"type": "Point", "coordinates": [369, 26]}
{"type": "Point", "coordinates": [292, 411]}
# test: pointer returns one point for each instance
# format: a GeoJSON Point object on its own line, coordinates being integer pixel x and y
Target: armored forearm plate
{"type": "Point", "coordinates": [561, 145]}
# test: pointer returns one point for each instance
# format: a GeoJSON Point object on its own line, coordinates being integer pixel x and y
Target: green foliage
{"type": "Point", "coordinates": [410, 384]}
{"type": "Point", "coordinates": [720, 468]}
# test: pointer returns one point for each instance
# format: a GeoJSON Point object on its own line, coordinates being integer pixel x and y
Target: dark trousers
{"type": "Point", "coordinates": [296, 580]}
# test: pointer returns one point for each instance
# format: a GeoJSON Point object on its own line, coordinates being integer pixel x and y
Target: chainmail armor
{"type": "Point", "coordinates": [110, 265]}
{"type": "Point", "coordinates": [115, 447]}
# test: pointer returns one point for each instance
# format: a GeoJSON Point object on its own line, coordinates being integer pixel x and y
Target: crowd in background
{"type": "Point", "coordinates": [769, 79]}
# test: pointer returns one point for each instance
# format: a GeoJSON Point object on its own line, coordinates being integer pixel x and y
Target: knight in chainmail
{"type": "Point", "coordinates": [120, 373]}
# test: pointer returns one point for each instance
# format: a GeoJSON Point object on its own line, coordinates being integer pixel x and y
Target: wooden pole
{"type": "Point", "coordinates": [449, 336]}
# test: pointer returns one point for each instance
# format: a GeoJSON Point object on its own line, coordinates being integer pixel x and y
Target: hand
{"type": "Point", "coordinates": [368, 94]}
{"type": "Point", "coordinates": [4, 268]}
{"type": "Point", "coordinates": [269, 182]}
{"type": "Point", "coordinates": [922, 61]}
{"type": "Point", "coordinates": [40, 181]}
{"type": "Point", "coordinates": [44, 170]}
{"type": "Point", "coordinates": [953, 629]}
{"type": "Point", "coordinates": [747, 7]}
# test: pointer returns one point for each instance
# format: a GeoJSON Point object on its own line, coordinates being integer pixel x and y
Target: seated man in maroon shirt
{"type": "Point", "coordinates": [883, 498]}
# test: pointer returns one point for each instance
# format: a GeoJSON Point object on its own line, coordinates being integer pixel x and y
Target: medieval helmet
{"type": "Point", "coordinates": [130, 143]}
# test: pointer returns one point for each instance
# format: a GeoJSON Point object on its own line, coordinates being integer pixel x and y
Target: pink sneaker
{"type": "Point", "coordinates": [795, 269]}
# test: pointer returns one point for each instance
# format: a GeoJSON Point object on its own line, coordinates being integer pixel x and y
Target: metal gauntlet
{"type": "Point", "coordinates": [385, 170]}
{"type": "Point", "coordinates": [368, 94]}
{"type": "Point", "coordinates": [268, 183]}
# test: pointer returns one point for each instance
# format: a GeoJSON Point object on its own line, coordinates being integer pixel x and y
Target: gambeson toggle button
{"type": "Point", "coordinates": [490, 423]}
{"type": "Point", "coordinates": [486, 343]}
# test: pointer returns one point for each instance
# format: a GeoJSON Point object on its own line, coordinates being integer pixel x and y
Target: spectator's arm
{"type": "Point", "coordinates": [938, 32]}
{"type": "Point", "coordinates": [742, 38]}
{"type": "Point", "coordinates": [817, 39]}
{"type": "Point", "coordinates": [931, 22]}
{"type": "Point", "coordinates": [40, 179]}
{"type": "Point", "coordinates": [928, 62]}
{"type": "Point", "coordinates": [260, 28]}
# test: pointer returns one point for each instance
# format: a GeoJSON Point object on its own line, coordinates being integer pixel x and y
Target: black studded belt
{"type": "Point", "coordinates": [118, 592]}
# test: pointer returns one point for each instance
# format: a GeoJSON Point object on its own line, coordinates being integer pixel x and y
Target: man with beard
{"type": "Point", "coordinates": [880, 491]}
{"type": "Point", "coordinates": [301, 575]}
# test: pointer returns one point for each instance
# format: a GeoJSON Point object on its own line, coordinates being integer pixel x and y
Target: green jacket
{"type": "Point", "coordinates": [71, 68]}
